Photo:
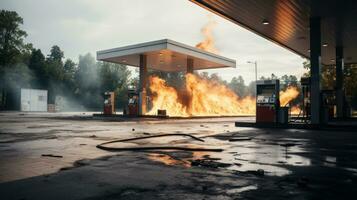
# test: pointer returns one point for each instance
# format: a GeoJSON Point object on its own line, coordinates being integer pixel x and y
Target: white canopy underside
{"type": "Point", "coordinates": [165, 55]}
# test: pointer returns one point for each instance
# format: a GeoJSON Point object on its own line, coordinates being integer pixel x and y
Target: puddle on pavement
{"type": "Point", "coordinates": [242, 189]}
{"type": "Point", "coordinates": [245, 155]}
{"type": "Point", "coordinates": [351, 170]}
{"type": "Point", "coordinates": [330, 161]}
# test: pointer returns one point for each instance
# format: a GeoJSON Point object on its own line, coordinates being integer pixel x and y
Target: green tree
{"type": "Point", "coordinates": [306, 65]}
{"type": "Point", "coordinates": [88, 82]}
{"type": "Point", "coordinates": [350, 84]}
{"type": "Point", "coordinates": [204, 75]}
{"type": "Point", "coordinates": [273, 76]}
{"type": "Point", "coordinates": [54, 63]}
{"type": "Point", "coordinates": [114, 77]}
{"type": "Point", "coordinates": [288, 80]}
{"type": "Point", "coordinates": [238, 86]}
{"type": "Point", "coordinates": [37, 64]}
{"type": "Point", "coordinates": [173, 79]}
{"type": "Point", "coordinates": [215, 77]}
{"type": "Point", "coordinates": [70, 69]}
{"type": "Point", "coordinates": [11, 37]}
{"type": "Point", "coordinates": [55, 72]}
{"type": "Point", "coordinates": [14, 54]}
{"type": "Point", "coordinates": [328, 77]}
{"type": "Point", "coordinates": [263, 78]}
{"type": "Point", "coordinates": [56, 54]}
{"type": "Point", "coordinates": [69, 66]}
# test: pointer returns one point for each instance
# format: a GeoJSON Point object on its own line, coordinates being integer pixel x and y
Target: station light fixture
{"type": "Point", "coordinates": [265, 22]}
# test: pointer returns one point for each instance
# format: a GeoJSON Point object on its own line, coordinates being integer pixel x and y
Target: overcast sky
{"type": "Point", "coordinates": [82, 26]}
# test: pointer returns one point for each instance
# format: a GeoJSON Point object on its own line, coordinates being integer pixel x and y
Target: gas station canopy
{"type": "Point", "coordinates": [286, 22]}
{"type": "Point", "coordinates": [165, 55]}
{"type": "Point", "coordinates": [325, 31]}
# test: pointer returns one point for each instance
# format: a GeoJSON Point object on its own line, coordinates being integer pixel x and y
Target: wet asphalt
{"type": "Point", "coordinates": [54, 156]}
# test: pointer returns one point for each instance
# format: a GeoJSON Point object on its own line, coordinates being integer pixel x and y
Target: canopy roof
{"type": "Point", "coordinates": [165, 55]}
{"type": "Point", "coordinates": [286, 22]}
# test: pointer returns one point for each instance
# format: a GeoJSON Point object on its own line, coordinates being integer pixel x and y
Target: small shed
{"type": "Point", "coordinates": [33, 100]}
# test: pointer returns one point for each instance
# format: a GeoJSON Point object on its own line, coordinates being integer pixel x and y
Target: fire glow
{"type": "Point", "coordinates": [288, 95]}
{"type": "Point", "coordinates": [208, 43]}
{"type": "Point", "coordinates": [202, 97]}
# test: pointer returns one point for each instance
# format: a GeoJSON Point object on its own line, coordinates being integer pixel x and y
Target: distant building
{"type": "Point", "coordinates": [33, 100]}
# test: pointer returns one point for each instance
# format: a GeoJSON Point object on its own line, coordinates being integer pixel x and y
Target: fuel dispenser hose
{"type": "Point", "coordinates": [103, 147]}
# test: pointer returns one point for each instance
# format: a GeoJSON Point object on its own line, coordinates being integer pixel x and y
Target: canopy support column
{"type": "Point", "coordinates": [339, 82]}
{"type": "Point", "coordinates": [315, 61]}
{"type": "Point", "coordinates": [189, 66]}
{"type": "Point", "coordinates": [142, 84]}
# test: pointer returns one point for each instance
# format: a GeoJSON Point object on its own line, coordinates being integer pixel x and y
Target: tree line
{"type": "Point", "coordinates": [80, 84]}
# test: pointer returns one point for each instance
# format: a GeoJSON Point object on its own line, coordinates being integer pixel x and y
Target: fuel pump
{"type": "Point", "coordinates": [306, 106]}
{"type": "Point", "coordinates": [267, 102]}
{"type": "Point", "coordinates": [132, 108]}
{"type": "Point", "coordinates": [109, 103]}
{"type": "Point", "coordinates": [328, 104]}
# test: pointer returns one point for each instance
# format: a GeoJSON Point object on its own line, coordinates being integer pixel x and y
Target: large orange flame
{"type": "Point", "coordinates": [165, 98]}
{"type": "Point", "coordinates": [289, 94]}
{"type": "Point", "coordinates": [208, 43]}
{"type": "Point", "coordinates": [201, 98]}
{"type": "Point", "coordinates": [213, 98]}
{"type": "Point", "coordinates": [295, 110]}
{"type": "Point", "coordinates": [286, 96]}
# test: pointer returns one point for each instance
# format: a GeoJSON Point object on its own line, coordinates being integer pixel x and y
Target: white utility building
{"type": "Point", "coordinates": [33, 100]}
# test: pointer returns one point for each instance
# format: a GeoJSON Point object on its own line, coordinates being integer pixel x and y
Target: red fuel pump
{"type": "Point", "coordinates": [132, 108]}
{"type": "Point", "coordinates": [109, 103]}
{"type": "Point", "coordinates": [267, 102]}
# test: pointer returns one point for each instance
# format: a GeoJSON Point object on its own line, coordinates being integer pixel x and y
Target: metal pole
{"type": "Point", "coordinates": [256, 71]}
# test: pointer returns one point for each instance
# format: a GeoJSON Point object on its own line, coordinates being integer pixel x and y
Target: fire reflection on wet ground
{"type": "Point", "coordinates": [274, 157]}
{"type": "Point", "coordinates": [168, 160]}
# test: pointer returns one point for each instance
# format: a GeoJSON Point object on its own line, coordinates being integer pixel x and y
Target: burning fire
{"type": "Point", "coordinates": [295, 110]}
{"type": "Point", "coordinates": [165, 98]}
{"type": "Point", "coordinates": [288, 95]}
{"type": "Point", "coordinates": [208, 43]}
{"type": "Point", "coordinates": [201, 98]}
{"type": "Point", "coordinates": [212, 98]}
